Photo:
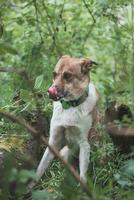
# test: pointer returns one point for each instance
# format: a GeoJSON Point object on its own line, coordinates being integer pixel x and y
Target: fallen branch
{"type": "Point", "coordinates": [114, 130]}
{"type": "Point", "coordinates": [13, 70]}
{"type": "Point", "coordinates": [40, 137]}
{"type": "Point", "coordinates": [122, 137]}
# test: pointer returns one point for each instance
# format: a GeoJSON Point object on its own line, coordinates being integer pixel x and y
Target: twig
{"type": "Point", "coordinates": [40, 137]}
{"type": "Point", "coordinates": [51, 28]}
{"type": "Point", "coordinates": [90, 12]}
{"type": "Point", "coordinates": [37, 20]}
{"type": "Point", "coordinates": [12, 70]}
{"type": "Point", "coordinates": [92, 25]}
{"type": "Point", "coordinates": [20, 71]}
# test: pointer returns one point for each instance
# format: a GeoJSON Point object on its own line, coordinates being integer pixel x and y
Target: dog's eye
{"type": "Point", "coordinates": [67, 76]}
{"type": "Point", "coordinates": [54, 75]}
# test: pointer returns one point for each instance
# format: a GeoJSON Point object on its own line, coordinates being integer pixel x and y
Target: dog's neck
{"type": "Point", "coordinates": [76, 102]}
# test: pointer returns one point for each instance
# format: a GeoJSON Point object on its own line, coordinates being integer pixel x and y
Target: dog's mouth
{"type": "Point", "coordinates": [56, 94]}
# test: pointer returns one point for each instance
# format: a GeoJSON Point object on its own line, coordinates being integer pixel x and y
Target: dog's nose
{"type": "Point", "coordinates": [53, 93]}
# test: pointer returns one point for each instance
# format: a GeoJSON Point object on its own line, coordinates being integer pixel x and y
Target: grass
{"type": "Point", "coordinates": [110, 174]}
{"type": "Point", "coordinates": [105, 175]}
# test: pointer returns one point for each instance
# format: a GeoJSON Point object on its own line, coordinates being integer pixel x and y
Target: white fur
{"type": "Point", "coordinates": [71, 125]}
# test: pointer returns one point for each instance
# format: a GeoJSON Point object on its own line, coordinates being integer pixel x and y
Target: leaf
{"type": "Point", "coordinates": [38, 81]}
{"type": "Point", "coordinates": [25, 96]}
{"type": "Point", "coordinates": [5, 147]}
{"type": "Point", "coordinates": [2, 2]}
{"type": "Point", "coordinates": [124, 182]}
{"type": "Point", "coordinates": [13, 175]}
{"type": "Point", "coordinates": [129, 168]}
{"type": "Point", "coordinates": [12, 142]}
{"type": "Point", "coordinates": [26, 107]}
{"type": "Point", "coordinates": [24, 175]}
{"type": "Point", "coordinates": [41, 195]}
{"type": "Point", "coordinates": [6, 48]}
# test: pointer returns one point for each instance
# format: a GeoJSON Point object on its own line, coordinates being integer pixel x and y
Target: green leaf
{"type": "Point", "coordinates": [13, 175]}
{"type": "Point", "coordinates": [25, 96]}
{"type": "Point", "coordinates": [1, 2]}
{"type": "Point", "coordinates": [6, 48]}
{"type": "Point", "coordinates": [41, 195]}
{"type": "Point", "coordinates": [38, 82]}
{"type": "Point", "coordinates": [24, 175]}
{"type": "Point", "coordinates": [129, 167]}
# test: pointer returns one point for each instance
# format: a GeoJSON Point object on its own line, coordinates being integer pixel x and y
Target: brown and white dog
{"type": "Point", "coordinates": [75, 100]}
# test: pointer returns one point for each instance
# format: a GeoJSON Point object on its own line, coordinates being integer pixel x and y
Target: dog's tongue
{"type": "Point", "coordinates": [53, 94]}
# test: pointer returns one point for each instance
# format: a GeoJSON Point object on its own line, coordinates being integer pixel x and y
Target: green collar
{"type": "Point", "coordinates": [74, 103]}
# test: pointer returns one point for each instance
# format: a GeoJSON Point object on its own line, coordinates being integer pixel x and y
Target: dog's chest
{"type": "Point", "coordinates": [76, 121]}
{"type": "Point", "coordinates": [72, 137]}
{"type": "Point", "coordinates": [73, 117]}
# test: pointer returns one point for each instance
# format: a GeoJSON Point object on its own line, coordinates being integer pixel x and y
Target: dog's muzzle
{"type": "Point", "coordinates": [55, 93]}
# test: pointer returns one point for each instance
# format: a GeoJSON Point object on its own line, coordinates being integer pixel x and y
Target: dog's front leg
{"type": "Point", "coordinates": [84, 156]}
{"type": "Point", "coordinates": [55, 141]}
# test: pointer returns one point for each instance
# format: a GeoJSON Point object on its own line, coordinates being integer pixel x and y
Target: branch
{"type": "Point", "coordinates": [37, 20]}
{"type": "Point", "coordinates": [13, 70]}
{"type": "Point", "coordinates": [90, 12]}
{"type": "Point", "coordinates": [114, 130]}
{"type": "Point", "coordinates": [20, 71]}
{"type": "Point", "coordinates": [51, 28]}
{"type": "Point", "coordinates": [40, 137]}
{"type": "Point", "coordinates": [92, 25]}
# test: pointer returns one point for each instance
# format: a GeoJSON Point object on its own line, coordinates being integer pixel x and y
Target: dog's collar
{"type": "Point", "coordinates": [74, 103]}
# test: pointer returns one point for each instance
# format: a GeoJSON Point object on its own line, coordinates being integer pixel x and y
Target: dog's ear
{"type": "Point", "coordinates": [86, 65]}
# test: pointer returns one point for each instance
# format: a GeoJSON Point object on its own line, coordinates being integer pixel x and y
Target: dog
{"type": "Point", "coordinates": [75, 101]}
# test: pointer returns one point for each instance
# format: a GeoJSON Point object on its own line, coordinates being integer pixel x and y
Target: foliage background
{"type": "Point", "coordinates": [34, 34]}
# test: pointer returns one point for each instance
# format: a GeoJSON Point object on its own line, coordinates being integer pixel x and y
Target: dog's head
{"type": "Point", "coordinates": [70, 78]}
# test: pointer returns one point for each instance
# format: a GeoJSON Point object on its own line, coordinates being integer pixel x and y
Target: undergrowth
{"type": "Point", "coordinates": [110, 174]}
